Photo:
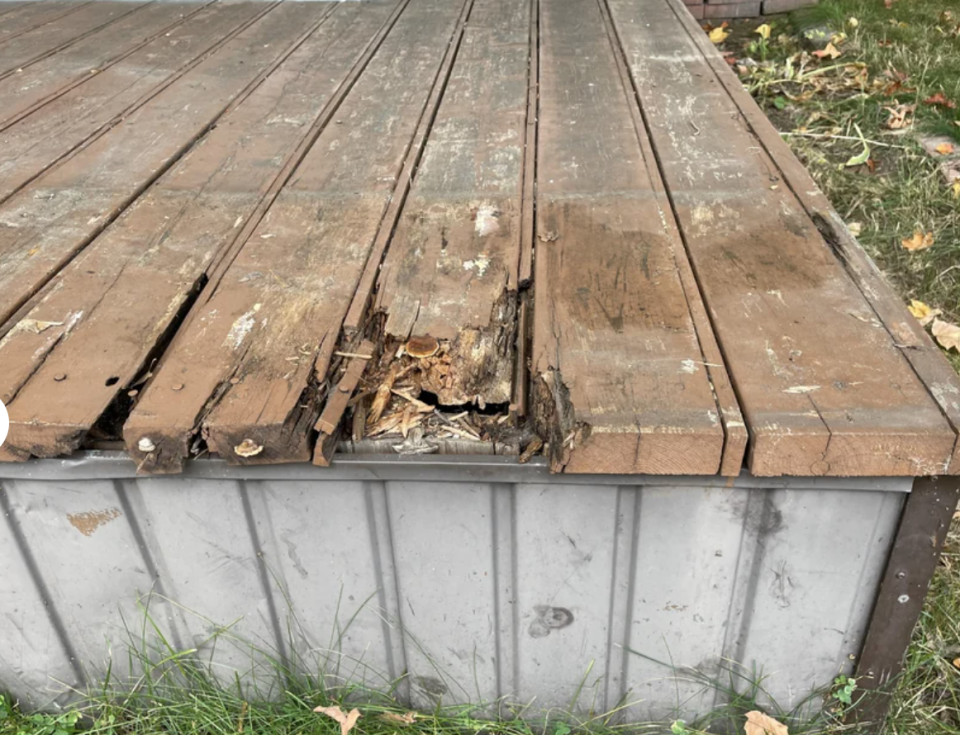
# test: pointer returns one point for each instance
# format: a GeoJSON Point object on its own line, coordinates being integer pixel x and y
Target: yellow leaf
{"type": "Point", "coordinates": [944, 149]}
{"type": "Point", "coordinates": [947, 334]}
{"type": "Point", "coordinates": [760, 724]}
{"type": "Point", "coordinates": [956, 189]}
{"type": "Point", "coordinates": [919, 241]}
{"type": "Point", "coordinates": [718, 35]}
{"type": "Point", "coordinates": [346, 720]}
{"type": "Point", "coordinates": [923, 312]}
{"type": "Point", "coordinates": [830, 51]}
{"type": "Point", "coordinates": [764, 31]}
{"type": "Point", "coordinates": [853, 22]}
{"type": "Point", "coordinates": [855, 228]}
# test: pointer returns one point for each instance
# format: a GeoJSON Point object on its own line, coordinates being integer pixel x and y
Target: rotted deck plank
{"type": "Point", "coordinates": [451, 268]}
{"type": "Point", "coordinates": [619, 379]}
{"type": "Point", "coordinates": [258, 344]}
{"type": "Point", "coordinates": [824, 388]}
{"type": "Point", "coordinates": [28, 90]}
{"type": "Point", "coordinates": [131, 285]}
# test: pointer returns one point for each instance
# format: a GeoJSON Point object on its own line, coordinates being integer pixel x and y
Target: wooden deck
{"type": "Point", "coordinates": [277, 230]}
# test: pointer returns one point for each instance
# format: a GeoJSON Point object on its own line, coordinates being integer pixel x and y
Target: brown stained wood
{"type": "Point", "coordinates": [26, 91]}
{"type": "Point", "coordinates": [910, 338]}
{"type": "Point", "coordinates": [44, 226]}
{"type": "Point", "coordinates": [43, 41]}
{"type": "Point", "coordinates": [131, 284]}
{"type": "Point", "coordinates": [33, 15]}
{"type": "Point", "coordinates": [329, 423]}
{"type": "Point", "coordinates": [450, 271]}
{"type": "Point", "coordinates": [619, 384]}
{"type": "Point", "coordinates": [824, 389]}
{"type": "Point", "coordinates": [735, 431]}
{"type": "Point", "coordinates": [76, 119]}
{"type": "Point", "coordinates": [275, 335]}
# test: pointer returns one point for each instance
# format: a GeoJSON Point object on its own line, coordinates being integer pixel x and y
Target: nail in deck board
{"type": "Point", "coordinates": [71, 204]}
{"type": "Point", "coordinates": [82, 61]}
{"type": "Point", "coordinates": [131, 283]}
{"type": "Point", "coordinates": [823, 387]}
{"type": "Point", "coordinates": [619, 384]}
{"type": "Point", "coordinates": [451, 268]}
{"type": "Point", "coordinates": [274, 318]}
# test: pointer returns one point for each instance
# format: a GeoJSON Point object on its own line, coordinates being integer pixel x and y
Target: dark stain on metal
{"type": "Point", "coordinates": [548, 619]}
{"type": "Point", "coordinates": [89, 521]}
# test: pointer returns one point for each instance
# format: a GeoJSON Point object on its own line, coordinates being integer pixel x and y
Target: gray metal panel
{"type": "Point", "coordinates": [476, 587]}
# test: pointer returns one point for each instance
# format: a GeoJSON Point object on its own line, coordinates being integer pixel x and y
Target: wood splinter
{"type": "Point", "coordinates": [330, 420]}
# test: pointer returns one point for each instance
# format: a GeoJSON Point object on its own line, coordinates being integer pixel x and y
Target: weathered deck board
{"type": "Point", "coordinates": [28, 16]}
{"type": "Point", "coordinates": [44, 226]}
{"type": "Point", "coordinates": [451, 268]}
{"type": "Point", "coordinates": [79, 117]}
{"type": "Point", "coordinates": [257, 345]}
{"type": "Point", "coordinates": [618, 374]}
{"type": "Point", "coordinates": [40, 82]}
{"type": "Point", "coordinates": [133, 281]}
{"type": "Point", "coordinates": [823, 386]}
{"type": "Point", "coordinates": [27, 48]}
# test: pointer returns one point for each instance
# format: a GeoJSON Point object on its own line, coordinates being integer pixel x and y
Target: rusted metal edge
{"type": "Point", "coordinates": [736, 436]}
{"type": "Point", "coordinates": [916, 550]}
{"type": "Point", "coordinates": [916, 346]}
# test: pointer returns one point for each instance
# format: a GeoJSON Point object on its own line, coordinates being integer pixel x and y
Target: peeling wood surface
{"type": "Point", "coordinates": [205, 208]}
{"type": "Point", "coordinates": [619, 380]}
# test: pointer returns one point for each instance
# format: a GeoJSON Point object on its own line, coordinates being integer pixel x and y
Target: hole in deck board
{"type": "Point", "coordinates": [112, 380]}
{"type": "Point", "coordinates": [490, 409]}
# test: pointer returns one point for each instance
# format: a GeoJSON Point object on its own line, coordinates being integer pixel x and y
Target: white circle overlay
{"type": "Point", "coordinates": [4, 423]}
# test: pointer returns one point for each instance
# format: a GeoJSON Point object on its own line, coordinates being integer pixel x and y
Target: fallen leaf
{"type": "Point", "coordinates": [853, 22]}
{"type": "Point", "coordinates": [940, 100]}
{"type": "Point", "coordinates": [405, 719]}
{"type": "Point", "coordinates": [855, 228]}
{"type": "Point", "coordinates": [919, 241]}
{"type": "Point", "coordinates": [956, 189]}
{"type": "Point", "coordinates": [36, 326]}
{"type": "Point", "coordinates": [956, 663]}
{"type": "Point", "coordinates": [899, 116]}
{"type": "Point", "coordinates": [764, 31]}
{"type": "Point", "coordinates": [944, 149]}
{"type": "Point", "coordinates": [947, 334]}
{"type": "Point", "coordinates": [346, 720]}
{"type": "Point", "coordinates": [718, 35]}
{"type": "Point", "coordinates": [922, 312]}
{"type": "Point", "coordinates": [760, 724]}
{"type": "Point", "coordinates": [830, 51]}
{"type": "Point", "coordinates": [888, 3]}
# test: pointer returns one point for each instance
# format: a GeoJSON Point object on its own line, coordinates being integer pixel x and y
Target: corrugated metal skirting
{"type": "Point", "coordinates": [478, 579]}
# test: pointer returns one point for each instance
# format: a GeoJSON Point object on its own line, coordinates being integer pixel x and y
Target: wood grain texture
{"type": "Point", "coordinates": [823, 386]}
{"type": "Point", "coordinates": [47, 224]}
{"type": "Point", "coordinates": [451, 268]}
{"type": "Point", "coordinates": [910, 338]}
{"type": "Point", "coordinates": [40, 42]}
{"type": "Point", "coordinates": [274, 335]}
{"type": "Point", "coordinates": [28, 90]}
{"type": "Point", "coordinates": [618, 372]}
{"type": "Point", "coordinates": [132, 283]}
{"type": "Point", "coordinates": [28, 16]}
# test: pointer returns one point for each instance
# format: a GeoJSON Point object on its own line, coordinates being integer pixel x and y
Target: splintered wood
{"type": "Point", "coordinates": [275, 231]}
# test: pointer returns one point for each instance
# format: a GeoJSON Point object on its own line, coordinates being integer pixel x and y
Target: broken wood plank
{"type": "Point", "coordinates": [619, 384]}
{"type": "Point", "coordinates": [908, 335]}
{"type": "Point", "coordinates": [120, 299]}
{"type": "Point", "coordinates": [27, 91]}
{"type": "Point", "coordinates": [78, 118]}
{"type": "Point", "coordinates": [255, 349]}
{"type": "Point", "coordinates": [49, 38]}
{"type": "Point", "coordinates": [329, 424]}
{"type": "Point", "coordinates": [451, 269]}
{"type": "Point", "coordinates": [43, 227]}
{"type": "Point", "coordinates": [824, 389]}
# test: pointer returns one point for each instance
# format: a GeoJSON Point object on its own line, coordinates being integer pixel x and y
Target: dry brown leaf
{"type": "Point", "coordinates": [899, 116]}
{"type": "Point", "coordinates": [760, 724]}
{"type": "Point", "coordinates": [346, 719]}
{"type": "Point", "coordinates": [830, 51]}
{"type": "Point", "coordinates": [940, 100]}
{"type": "Point", "coordinates": [956, 661]}
{"type": "Point", "coordinates": [718, 35]}
{"type": "Point", "coordinates": [944, 149]}
{"type": "Point", "coordinates": [405, 719]}
{"type": "Point", "coordinates": [947, 334]}
{"type": "Point", "coordinates": [919, 241]}
{"type": "Point", "coordinates": [922, 312]}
